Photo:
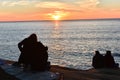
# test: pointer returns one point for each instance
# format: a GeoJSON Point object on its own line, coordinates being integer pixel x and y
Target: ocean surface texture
{"type": "Point", "coordinates": [71, 43]}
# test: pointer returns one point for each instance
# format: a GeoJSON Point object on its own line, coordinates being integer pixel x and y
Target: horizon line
{"type": "Point", "coordinates": [62, 20]}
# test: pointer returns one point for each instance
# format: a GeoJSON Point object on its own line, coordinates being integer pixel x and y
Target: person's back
{"type": "Point", "coordinates": [109, 60]}
{"type": "Point", "coordinates": [25, 47]}
{"type": "Point", "coordinates": [98, 60]}
{"type": "Point", "coordinates": [40, 57]}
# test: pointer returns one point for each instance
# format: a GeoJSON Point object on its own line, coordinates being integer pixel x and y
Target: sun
{"type": "Point", "coordinates": [56, 17]}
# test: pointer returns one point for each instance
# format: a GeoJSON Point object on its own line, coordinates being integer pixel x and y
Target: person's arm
{"type": "Point", "coordinates": [20, 45]}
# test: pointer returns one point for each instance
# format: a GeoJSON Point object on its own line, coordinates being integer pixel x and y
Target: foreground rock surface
{"type": "Point", "coordinates": [73, 74]}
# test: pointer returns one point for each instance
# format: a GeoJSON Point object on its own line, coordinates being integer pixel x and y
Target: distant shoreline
{"type": "Point", "coordinates": [61, 20]}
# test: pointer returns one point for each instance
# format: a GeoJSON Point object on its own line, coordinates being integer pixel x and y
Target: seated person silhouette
{"type": "Point", "coordinates": [109, 60]}
{"type": "Point", "coordinates": [33, 54]}
{"type": "Point", "coordinates": [39, 62]}
{"type": "Point", "coordinates": [25, 47]}
{"type": "Point", "coordinates": [98, 60]}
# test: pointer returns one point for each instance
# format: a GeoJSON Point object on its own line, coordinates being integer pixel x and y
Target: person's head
{"type": "Point", "coordinates": [33, 37]}
{"type": "Point", "coordinates": [108, 52]}
{"type": "Point", "coordinates": [97, 52]}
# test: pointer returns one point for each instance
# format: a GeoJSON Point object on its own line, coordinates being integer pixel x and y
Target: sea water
{"type": "Point", "coordinates": [70, 43]}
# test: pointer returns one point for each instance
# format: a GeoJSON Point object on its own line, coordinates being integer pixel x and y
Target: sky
{"type": "Point", "coordinates": [20, 10]}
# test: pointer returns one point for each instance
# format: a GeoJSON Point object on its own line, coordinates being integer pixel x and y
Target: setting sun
{"type": "Point", "coordinates": [56, 17]}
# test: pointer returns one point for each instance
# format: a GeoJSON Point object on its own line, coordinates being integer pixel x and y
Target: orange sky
{"type": "Point", "coordinates": [17, 10]}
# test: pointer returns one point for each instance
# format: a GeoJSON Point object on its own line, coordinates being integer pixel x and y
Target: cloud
{"type": "Point", "coordinates": [60, 4]}
{"type": "Point", "coordinates": [4, 3]}
{"type": "Point", "coordinates": [88, 4]}
{"type": "Point", "coordinates": [76, 5]}
{"type": "Point", "coordinates": [19, 3]}
{"type": "Point", "coordinates": [50, 5]}
{"type": "Point", "coordinates": [53, 5]}
{"type": "Point", "coordinates": [14, 3]}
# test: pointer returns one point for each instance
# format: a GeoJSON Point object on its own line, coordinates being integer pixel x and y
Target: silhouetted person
{"type": "Point", "coordinates": [33, 54]}
{"type": "Point", "coordinates": [39, 62]}
{"type": "Point", "coordinates": [109, 60]}
{"type": "Point", "coordinates": [26, 47]}
{"type": "Point", "coordinates": [98, 60]}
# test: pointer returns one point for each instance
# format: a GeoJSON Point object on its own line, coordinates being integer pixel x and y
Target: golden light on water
{"type": "Point", "coordinates": [57, 24]}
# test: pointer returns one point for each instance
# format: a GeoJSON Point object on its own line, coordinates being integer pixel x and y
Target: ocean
{"type": "Point", "coordinates": [70, 43]}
